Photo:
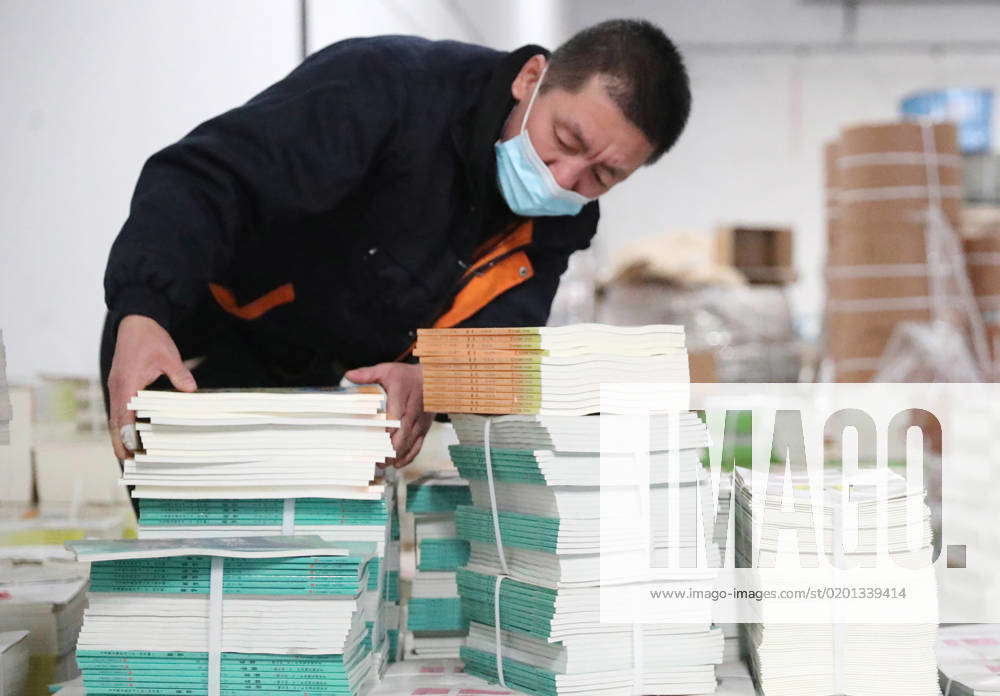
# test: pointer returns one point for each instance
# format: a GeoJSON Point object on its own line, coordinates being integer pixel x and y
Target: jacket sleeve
{"type": "Point", "coordinates": [529, 304]}
{"type": "Point", "coordinates": [292, 152]}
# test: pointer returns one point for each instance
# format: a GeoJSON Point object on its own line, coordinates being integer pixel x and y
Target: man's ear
{"type": "Point", "coordinates": [531, 72]}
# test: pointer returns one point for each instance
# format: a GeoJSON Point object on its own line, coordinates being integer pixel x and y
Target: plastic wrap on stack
{"type": "Point", "coordinates": [748, 328]}
{"type": "Point", "coordinates": [981, 242]}
{"type": "Point", "coordinates": [894, 256]}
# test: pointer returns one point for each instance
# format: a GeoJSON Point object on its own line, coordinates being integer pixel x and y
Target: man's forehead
{"type": "Point", "coordinates": [591, 115]}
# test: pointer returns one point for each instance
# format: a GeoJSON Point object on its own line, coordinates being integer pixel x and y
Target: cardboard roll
{"type": "Point", "coordinates": [865, 334]}
{"type": "Point", "coordinates": [882, 171]}
{"type": "Point", "coordinates": [878, 241]}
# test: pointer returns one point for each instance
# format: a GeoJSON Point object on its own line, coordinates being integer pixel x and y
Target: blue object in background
{"type": "Point", "coordinates": [971, 109]}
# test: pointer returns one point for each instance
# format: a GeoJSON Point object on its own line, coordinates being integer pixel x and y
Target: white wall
{"type": "Point", "coordinates": [752, 149]}
{"type": "Point", "coordinates": [90, 89]}
{"type": "Point", "coordinates": [503, 25]}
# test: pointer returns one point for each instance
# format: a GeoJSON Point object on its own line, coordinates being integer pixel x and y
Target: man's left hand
{"type": "Point", "coordinates": [404, 388]}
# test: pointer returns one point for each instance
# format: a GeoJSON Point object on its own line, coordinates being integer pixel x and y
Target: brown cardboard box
{"type": "Point", "coordinates": [761, 254]}
{"type": "Point", "coordinates": [702, 366]}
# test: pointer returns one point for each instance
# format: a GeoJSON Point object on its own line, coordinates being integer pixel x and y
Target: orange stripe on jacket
{"type": "Point", "coordinates": [256, 309]}
{"type": "Point", "coordinates": [483, 289]}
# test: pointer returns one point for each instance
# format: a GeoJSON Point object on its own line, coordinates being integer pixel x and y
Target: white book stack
{"type": "Point", "coordinates": [48, 602]}
{"type": "Point", "coordinates": [13, 663]}
{"type": "Point", "coordinates": [245, 614]}
{"type": "Point", "coordinates": [259, 444]}
{"type": "Point", "coordinates": [5, 406]}
{"type": "Point", "coordinates": [267, 463]}
{"type": "Point", "coordinates": [570, 504]}
{"type": "Point", "coordinates": [720, 537]}
{"type": "Point", "coordinates": [434, 622]}
{"type": "Point", "coordinates": [969, 660]}
{"type": "Point", "coordinates": [858, 655]}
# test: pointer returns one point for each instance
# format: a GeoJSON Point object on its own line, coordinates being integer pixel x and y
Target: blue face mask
{"type": "Point", "coordinates": [526, 183]}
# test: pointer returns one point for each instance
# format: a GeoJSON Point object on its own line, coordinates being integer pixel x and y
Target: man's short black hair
{"type": "Point", "coordinates": [643, 72]}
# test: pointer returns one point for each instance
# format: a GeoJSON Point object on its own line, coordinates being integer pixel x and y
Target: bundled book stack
{"type": "Point", "coordinates": [277, 615]}
{"type": "Point", "coordinates": [564, 498]}
{"type": "Point", "coordinates": [553, 370]}
{"type": "Point", "coordinates": [969, 660]}
{"type": "Point", "coordinates": [47, 600]}
{"type": "Point", "coordinates": [13, 662]}
{"type": "Point", "coordinates": [264, 463]}
{"type": "Point", "coordinates": [435, 624]}
{"type": "Point", "coordinates": [722, 537]}
{"type": "Point", "coordinates": [5, 406]}
{"type": "Point", "coordinates": [852, 650]}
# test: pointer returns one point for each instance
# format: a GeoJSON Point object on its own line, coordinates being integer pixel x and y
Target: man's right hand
{"type": "Point", "coordinates": [143, 352]}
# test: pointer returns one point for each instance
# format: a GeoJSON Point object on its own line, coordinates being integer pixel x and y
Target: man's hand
{"type": "Point", "coordinates": [404, 388]}
{"type": "Point", "coordinates": [143, 352]}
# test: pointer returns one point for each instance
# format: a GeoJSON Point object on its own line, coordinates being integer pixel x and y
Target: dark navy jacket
{"type": "Point", "coordinates": [336, 212]}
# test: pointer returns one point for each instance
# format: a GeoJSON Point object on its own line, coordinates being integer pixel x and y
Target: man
{"type": "Point", "coordinates": [386, 184]}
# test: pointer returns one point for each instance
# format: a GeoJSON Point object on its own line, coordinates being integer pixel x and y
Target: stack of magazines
{"type": "Point", "coordinates": [852, 640]}
{"type": "Point", "coordinates": [434, 621]}
{"type": "Point", "coordinates": [262, 614]}
{"type": "Point", "coordinates": [588, 517]}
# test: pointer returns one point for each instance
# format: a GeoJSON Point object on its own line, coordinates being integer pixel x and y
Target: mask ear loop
{"type": "Point", "coordinates": [531, 102]}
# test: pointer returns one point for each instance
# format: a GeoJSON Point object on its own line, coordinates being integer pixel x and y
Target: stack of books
{"type": "Point", "coordinates": [258, 614]}
{"type": "Point", "coordinates": [871, 644]}
{"type": "Point", "coordinates": [5, 406]}
{"type": "Point", "coordinates": [265, 463]}
{"type": "Point", "coordinates": [553, 370]}
{"type": "Point", "coordinates": [434, 621]}
{"type": "Point", "coordinates": [969, 660]}
{"type": "Point", "coordinates": [48, 601]}
{"type": "Point", "coordinates": [564, 488]}
{"type": "Point", "coordinates": [13, 662]}
{"type": "Point", "coordinates": [259, 445]}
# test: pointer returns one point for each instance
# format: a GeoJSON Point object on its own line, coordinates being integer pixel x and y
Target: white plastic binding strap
{"type": "Point", "coordinates": [947, 688]}
{"type": "Point", "coordinates": [880, 304]}
{"type": "Point", "coordinates": [892, 158]}
{"type": "Point", "coordinates": [895, 193]}
{"type": "Point", "coordinates": [288, 517]}
{"type": "Point", "coordinates": [894, 270]}
{"type": "Point", "coordinates": [983, 258]}
{"type": "Point", "coordinates": [215, 627]}
{"type": "Point", "coordinates": [505, 571]}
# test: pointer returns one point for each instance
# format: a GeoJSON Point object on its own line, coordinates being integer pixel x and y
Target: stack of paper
{"type": "Point", "coordinates": [242, 464]}
{"type": "Point", "coordinates": [969, 660]}
{"type": "Point", "coordinates": [48, 602]}
{"type": "Point", "coordinates": [722, 537]}
{"type": "Point", "coordinates": [434, 677]}
{"type": "Point", "coordinates": [5, 407]}
{"type": "Point", "coordinates": [13, 662]}
{"type": "Point", "coordinates": [285, 616]}
{"type": "Point", "coordinates": [876, 648]}
{"type": "Point", "coordinates": [554, 370]}
{"type": "Point", "coordinates": [589, 513]}
{"type": "Point", "coordinates": [264, 444]}
{"type": "Point", "coordinates": [333, 519]}
{"type": "Point", "coordinates": [391, 612]}
{"type": "Point", "coordinates": [434, 620]}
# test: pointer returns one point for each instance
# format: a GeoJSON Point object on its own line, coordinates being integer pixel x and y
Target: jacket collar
{"type": "Point", "coordinates": [475, 136]}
